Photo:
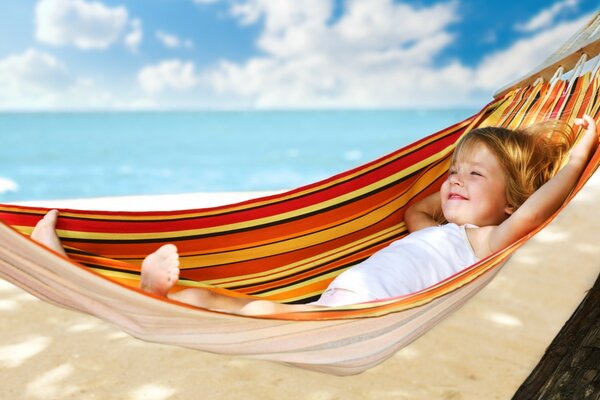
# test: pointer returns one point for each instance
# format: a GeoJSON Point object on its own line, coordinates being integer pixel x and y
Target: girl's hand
{"type": "Point", "coordinates": [547, 199]}
{"type": "Point", "coordinates": [588, 142]}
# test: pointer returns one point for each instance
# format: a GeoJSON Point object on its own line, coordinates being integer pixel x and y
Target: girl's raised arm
{"type": "Point", "coordinates": [550, 196]}
{"type": "Point", "coordinates": [424, 213]}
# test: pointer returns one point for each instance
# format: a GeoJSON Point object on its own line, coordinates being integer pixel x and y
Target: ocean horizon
{"type": "Point", "coordinates": [81, 154]}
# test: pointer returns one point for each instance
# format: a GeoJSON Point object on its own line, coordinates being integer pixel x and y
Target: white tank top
{"type": "Point", "coordinates": [413, 263]}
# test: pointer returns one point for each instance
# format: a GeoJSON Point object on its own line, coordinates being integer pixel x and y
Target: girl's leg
{"type": "Point", "coordinates": [160, 272]}
{"type": "Point", "coordinates": [235, 305]}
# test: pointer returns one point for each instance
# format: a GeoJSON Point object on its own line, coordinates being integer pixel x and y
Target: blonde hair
{"type": "Point", "coordinates": [529, 157]}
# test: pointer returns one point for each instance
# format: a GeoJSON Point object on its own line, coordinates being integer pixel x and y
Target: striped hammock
{"type": "Point", "coordinates": [286, 248]}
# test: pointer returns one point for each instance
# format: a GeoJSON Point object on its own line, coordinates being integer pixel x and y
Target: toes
{"type": "Point", "coordinates": [173, 277]}
{"type": "Point", "coordinates": [172, 259]}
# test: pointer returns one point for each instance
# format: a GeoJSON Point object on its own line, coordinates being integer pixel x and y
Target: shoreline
{"type": "Point", "coordinates": [485, 350]}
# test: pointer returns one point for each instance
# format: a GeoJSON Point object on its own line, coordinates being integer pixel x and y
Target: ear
{"type": "Point", "coordinates": [508, 210]}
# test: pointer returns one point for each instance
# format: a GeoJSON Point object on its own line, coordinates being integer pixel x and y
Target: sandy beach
{"type": "Point", "coordinates": [483, 351]}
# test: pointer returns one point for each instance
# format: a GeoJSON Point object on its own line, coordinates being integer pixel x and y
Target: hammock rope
{"type": "Point", "coordinates": [285, 247]}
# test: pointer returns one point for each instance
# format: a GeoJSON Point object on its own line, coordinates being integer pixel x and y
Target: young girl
{"type": "Point", "coordinates": [501, 185]}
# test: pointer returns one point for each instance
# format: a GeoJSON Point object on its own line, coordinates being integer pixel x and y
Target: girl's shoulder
{"type": "Point", "coordinates": [479, 238]}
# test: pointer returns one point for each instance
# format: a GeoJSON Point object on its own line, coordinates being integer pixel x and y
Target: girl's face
{"type": "Point", "coordinates": [475, 191]}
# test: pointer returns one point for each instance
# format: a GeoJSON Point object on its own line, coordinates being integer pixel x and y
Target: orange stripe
{"type": "Point", "coordinates": [287, 260]}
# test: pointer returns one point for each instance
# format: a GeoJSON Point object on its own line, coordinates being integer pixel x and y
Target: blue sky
{"type": "Point", "coordinates": [265, 54]}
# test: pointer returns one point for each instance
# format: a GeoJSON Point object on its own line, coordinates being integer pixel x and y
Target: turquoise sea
{"type": "Point", "coordinates": [76, 155]}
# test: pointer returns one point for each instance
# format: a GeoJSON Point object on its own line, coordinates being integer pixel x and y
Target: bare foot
{"type": "Point", "coordinates": [45, 232]}
{"type": "Point", "coordinates": [160, 270]}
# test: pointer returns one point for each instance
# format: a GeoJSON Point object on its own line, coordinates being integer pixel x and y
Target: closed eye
{"type": "Point", "coordinates": [476, 173]}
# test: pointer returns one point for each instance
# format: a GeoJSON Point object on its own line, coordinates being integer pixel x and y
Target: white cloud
{"type": "Point", "coordinates": [32, 65]}
{"type": "Point", "coordinates": [134, 37]}
{"type": "Point", "coordinates": [29, 77]}
{"type": "Point", "coordinates": [365, 58]}
{"type": "Point", "coordinates": [546, 17]}
{"type": "Point", "coordinates": [381, 24]}
{"type": "Point", "coordinates": [502, 67]}
{"type": "Point", "coordinates": [85, 93]}
{"type": "Point", "coordinates": [294, 28]}
{"type": "Point", "coordinates": [310, 58]}
{"type": "Point", "coordinates": [36, 80]}
{"type": "Point", "coordinates": [86, 25]}
{"type": "Point", "coordinates": [168, 75]}
{"type": "Point", "coordinates": [173, 41]}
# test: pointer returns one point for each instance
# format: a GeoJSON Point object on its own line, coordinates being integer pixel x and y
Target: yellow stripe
{"type": "Point", "coordinates": [72, 234]}
{"type": "Point", "coordinates": [308, 263]}
{"type": "Point", "coordinates": [284, 271]}
{"type": "Point", "coordinates": [310, 239]}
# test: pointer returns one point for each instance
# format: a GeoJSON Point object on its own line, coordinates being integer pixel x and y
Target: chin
{"type": "Point", "coordinates": [461, 220]}
{"type": "Point", "coordinates": [457, 221]}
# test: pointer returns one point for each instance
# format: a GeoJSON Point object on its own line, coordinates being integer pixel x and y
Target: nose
{"type": "Point", "coordinates": [454, 179]}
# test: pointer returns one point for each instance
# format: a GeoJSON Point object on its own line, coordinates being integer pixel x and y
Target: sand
{"type": "Point", "coordinates": [483, 351]}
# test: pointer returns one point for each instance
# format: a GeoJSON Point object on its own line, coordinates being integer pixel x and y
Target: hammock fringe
{"type": "Point", "coordinates": [585, 41]}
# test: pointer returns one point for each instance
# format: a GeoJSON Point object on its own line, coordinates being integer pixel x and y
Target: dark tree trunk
{"type": "Point", "coordinates": [570, 369]}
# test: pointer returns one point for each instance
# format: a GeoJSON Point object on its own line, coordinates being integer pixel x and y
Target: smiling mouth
{"type": "Point", "coordinates": [456, 196]}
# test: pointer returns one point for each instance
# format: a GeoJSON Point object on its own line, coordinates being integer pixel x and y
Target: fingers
{"type": "Point", "coordinates": [583, 121]}
{"type": "Point", "coordinates": [586, 122]}
{"type": "Point", "coordinates": [591, 124]}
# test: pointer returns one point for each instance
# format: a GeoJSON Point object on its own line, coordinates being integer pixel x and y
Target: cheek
{"type": "Point", "coordinates": [500, 194]}
{"type": "Point", "coordinates": [445, 187]}
{"type": "Point", "coordinates": [495, 199]}
{"type": "Point", "coordinates": [444, 190]}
